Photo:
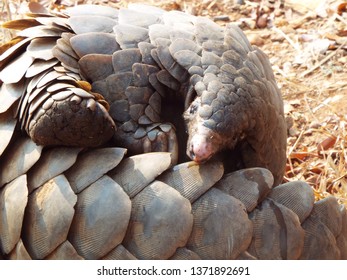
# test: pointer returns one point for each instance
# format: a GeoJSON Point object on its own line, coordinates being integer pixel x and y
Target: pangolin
{"type": "Point", "coordinates": [95, 73]}
{"type": "Point", "coordinates": [102, 80]}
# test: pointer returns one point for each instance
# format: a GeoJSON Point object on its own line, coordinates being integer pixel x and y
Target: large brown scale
{"type": "Point", "coordinates": [91, 157]}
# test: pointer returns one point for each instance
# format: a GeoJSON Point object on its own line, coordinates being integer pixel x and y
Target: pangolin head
{"type": "Point", "coordinates": [215, 121]}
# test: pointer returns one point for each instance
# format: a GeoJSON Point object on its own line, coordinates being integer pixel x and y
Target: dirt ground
{"type": "Point", "coordinates": [307, 46]}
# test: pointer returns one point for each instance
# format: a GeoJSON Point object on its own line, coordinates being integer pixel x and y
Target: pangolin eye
{"type": "Point", "coordinates": [193, 108]}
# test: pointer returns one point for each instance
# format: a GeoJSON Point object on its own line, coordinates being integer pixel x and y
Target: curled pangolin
{"type": "Point", "coordinates": [137, 62]}
{"type": "Point", "coordinates": [96, 79]}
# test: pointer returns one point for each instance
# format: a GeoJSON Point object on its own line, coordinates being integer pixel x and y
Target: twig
{"type": "Point", "coordinates": [339, 178]}
{"type": "Point", "coordinates": [296, 143]}
{"type": "Point", "coordinates": [340, 18]}
{"type": "Point", "coordinates": [327, 58]}
{"type": "Point", "coordinates": [292, 149]}
{"type": "Point", "coordinates": [7, 5]}
{"type": "Point", "coordinates": [211, 5]}
{"type": "Point", "coordinates": [285, 36]}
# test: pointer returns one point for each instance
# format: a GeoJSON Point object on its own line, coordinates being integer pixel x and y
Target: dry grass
{"type": "Point", "coordinates": [313, 83]}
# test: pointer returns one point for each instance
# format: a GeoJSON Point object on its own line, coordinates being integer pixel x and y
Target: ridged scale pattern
{"type": "Point", "coordinates": [103, 222]}
{"type": "Point", "coordinates": [98, 203]}
{"type": "Point", "coordinates": [74, 91]}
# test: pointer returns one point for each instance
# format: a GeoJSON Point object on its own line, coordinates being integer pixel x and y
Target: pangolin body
{"type": "Point", "coordinates": [99, 79]}
{"type": "Point", "coordinates": [135, 59]}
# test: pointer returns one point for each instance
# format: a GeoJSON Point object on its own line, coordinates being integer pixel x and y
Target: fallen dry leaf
{"type": "Point", "coordinates": [326, 144]}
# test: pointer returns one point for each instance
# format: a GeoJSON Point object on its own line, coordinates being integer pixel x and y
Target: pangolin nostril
{"type": "Point", "coordinates": [191, 152]}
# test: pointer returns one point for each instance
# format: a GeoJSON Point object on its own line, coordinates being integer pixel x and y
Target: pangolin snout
{"type": "Point", "coordinates": [200, 148]}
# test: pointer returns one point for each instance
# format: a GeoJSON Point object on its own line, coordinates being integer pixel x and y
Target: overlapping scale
{"type": "Point", "coordinates": [17, 160]}
{"type": "Point", "coordinates": [7, 127]}
{"type": "Point", "coordinates": [191, 180]}
{"type": "Point", "coordinates": [52, 163]}
{"type": "Point", "coordinates": [64, 251]}
{"type": "Point", "coordinates": [48, 217]}
{"type": "Point", "coordinates": [221, 228]}
{"type": "Point", "coordinates": [158, 213]}
{"type": "Point", "coordinates": [297, 196]}
{"type": "Point", "coordinates": [13, 199]}
{"type": "Point", "coordinates": [341, 240]}
{"type": "Point", "coordinates": [101, 219]}
{"type": "Point", "coordinates": [80, 176]}
{"type": "Point", "coordinates": [277, 232]}
{"type": "Point", "coordinates": [136, 172]}
{"type": "Point", "coordinates": [19, 252]}
{"type": "Point", "coordinates": [98, 203]}
{"type": "Point", "coordinates": [319, 242]}
{"type": "Point", "coordinates": [250, 186]}
{"type": "Point", "coordinates": [9, 94]}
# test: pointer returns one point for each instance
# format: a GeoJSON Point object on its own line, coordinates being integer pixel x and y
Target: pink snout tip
{"type": "Point", "coordinates": [199, 149]}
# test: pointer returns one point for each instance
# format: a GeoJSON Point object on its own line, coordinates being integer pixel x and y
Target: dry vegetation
{"type": "Point", "coordinates": [307, 45]}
